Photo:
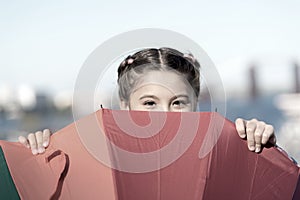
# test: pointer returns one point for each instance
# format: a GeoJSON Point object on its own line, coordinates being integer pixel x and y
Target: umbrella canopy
{"type": "Point", "coordinates": [147, 155]}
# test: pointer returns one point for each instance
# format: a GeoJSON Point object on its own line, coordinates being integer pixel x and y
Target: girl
{"type": "Point", "coordinates": [163, 79]}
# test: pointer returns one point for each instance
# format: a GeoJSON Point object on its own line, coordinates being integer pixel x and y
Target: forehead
{"type": "Point", "coordinates": [169, 80]}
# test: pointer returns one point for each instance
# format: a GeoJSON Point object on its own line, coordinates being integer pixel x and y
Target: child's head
{"type": "Point", "coordinates": [159, 79]}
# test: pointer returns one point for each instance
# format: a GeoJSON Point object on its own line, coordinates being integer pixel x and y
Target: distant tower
{"type": "Point", "coordinates": [253, 82]}
{"type": "Point", "coordinates": [296, 78]}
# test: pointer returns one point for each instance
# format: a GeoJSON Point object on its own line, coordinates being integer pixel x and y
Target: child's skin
{"type": "Point", "coordinates": [167, 91]}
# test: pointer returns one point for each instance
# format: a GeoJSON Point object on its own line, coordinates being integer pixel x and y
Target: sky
{"type": "Point", "coordinates": [44, 43]}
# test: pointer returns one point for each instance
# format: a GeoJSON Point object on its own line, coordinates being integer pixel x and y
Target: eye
{"type": "Point", "coordinates": [149, 103]}
{"type": "Point", "coordinates": [179, 103]}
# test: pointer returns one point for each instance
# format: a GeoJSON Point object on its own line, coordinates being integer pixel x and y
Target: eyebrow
{"type": "Point", "coordinates": [180, 95]}
{"type": "Point", "coordinates": [155, 97]}
{"type": "Point", "coordinates": [148, 96]}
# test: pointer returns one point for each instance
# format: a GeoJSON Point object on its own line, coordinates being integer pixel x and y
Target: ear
{"type": "Point", "coordinates": [124, 105]}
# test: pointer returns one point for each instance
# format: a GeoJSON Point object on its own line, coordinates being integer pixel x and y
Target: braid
{"type": "Point", "coordinates": [125, 65]}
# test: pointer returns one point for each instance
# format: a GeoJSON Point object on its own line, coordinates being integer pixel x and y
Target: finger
{"type": "Point", "coordinates": [250, 128]}
{"type": "Point", "coordinates": [260, 127]}
{"type": "Point", "coordinates": [273, 140]}
{"type": "Point", "coordinates": [240, 127]}
{"type": "Point", "coordinates": [32, 143]}
{"type": "Point", "coordinates": [39, 141]}
{"type": "Point", "coordinates": [268, 135]}
{"type": "Point", "coordinates": [24, 141]}
{"type": "Point", "coordinates": [46, 137]}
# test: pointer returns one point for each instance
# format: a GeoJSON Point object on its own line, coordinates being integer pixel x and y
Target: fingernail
{"type": "Point", "coordinates": [251, 148]}
{"type": "Point", "coordinates": [45, 144]}
{"type": "Point", "coordinates": [257, 150]}
{"type": "Point", "coordinates": [243, 135]}
{"type": "Point", "coordinates": [34, 151]}
{"type": "Point", "coordinates": [41, 150]}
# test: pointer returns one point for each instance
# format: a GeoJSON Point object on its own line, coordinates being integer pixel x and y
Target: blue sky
{"type": "Point", "coordinates": [44, 43]}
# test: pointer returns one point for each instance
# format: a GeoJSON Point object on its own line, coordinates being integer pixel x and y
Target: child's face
{"type": "Point", "coordinates": [162, 91]}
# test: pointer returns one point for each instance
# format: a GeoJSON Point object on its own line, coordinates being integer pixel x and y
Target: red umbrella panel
{"type": "Point", "coordinates": [150, 155]}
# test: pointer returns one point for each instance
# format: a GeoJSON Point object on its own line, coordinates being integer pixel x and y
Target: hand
{"type": "Point", "coordinates": [258, 133]}
{"type": "Point", "coordinates": [37, 141]}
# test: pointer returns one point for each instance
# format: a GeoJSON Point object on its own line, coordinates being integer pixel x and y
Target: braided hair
{"type": "Point", "coordinates": [145, 60]}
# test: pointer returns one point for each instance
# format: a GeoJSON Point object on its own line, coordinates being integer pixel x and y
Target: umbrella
{"type": "Point", "coordinates": [132, 155]}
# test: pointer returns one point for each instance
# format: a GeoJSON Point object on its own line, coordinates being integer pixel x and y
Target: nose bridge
{"type": "Point", "coordinates": [165, 107]}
